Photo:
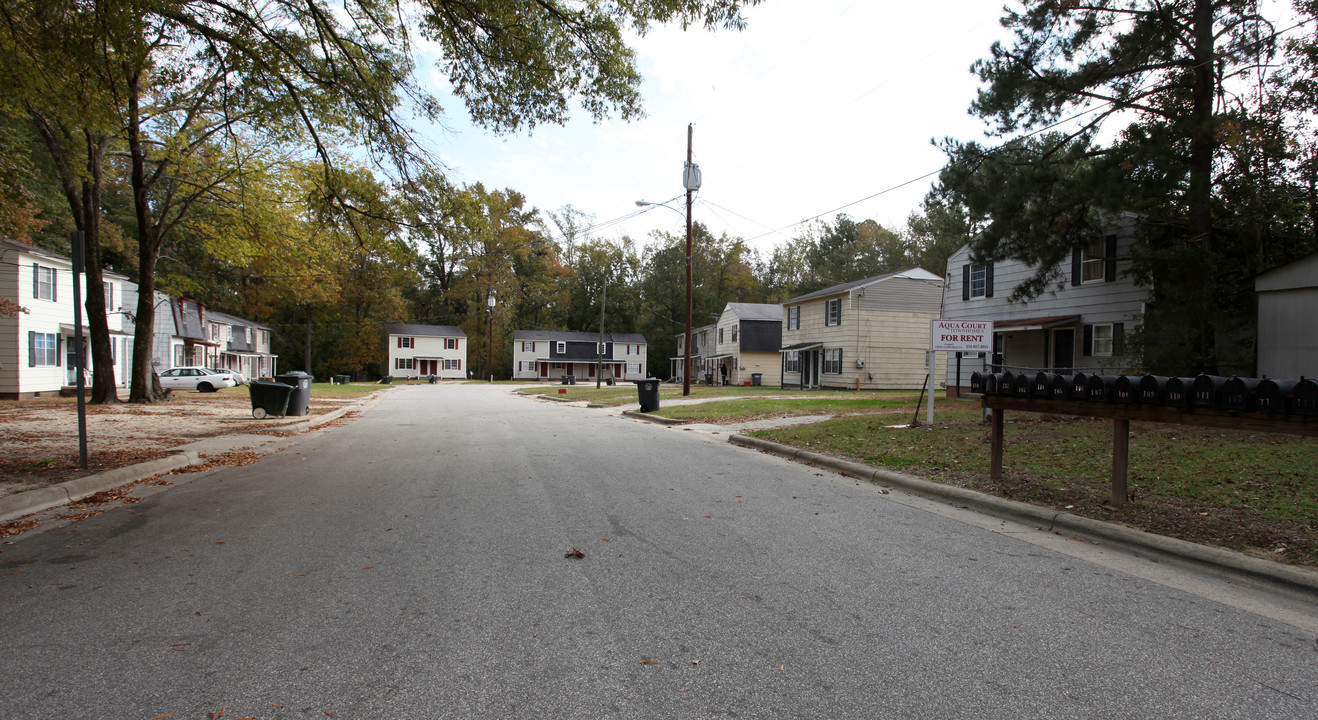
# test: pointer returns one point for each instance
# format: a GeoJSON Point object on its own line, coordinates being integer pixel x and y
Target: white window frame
{"type": "Point", "coordinates": [109, 297]}
{"type": "Point", "coordinates": [404, 364]}
{"type": "Point", "coordinates": [45, 349]}
{"type": "Point", "coordinates": [833, 359]}
{"type": "Point", "coordinates": [528, 346]}
{"type": "Point", "coordinates": [792, 363]}
{"type": "Point", "coordinates": [794, 317]}
{"type": "Point", "coordinates": [1102, 343]}
{"type": "Point", "coordinates": [452, 363]}
{"type": "Point", "coordinates": [44, 283]}
{"type": "Point", "coordinates": [1092, 262]}
{"type": "Point", "coordinates": [561, 346]}
{"type": "Point", "coordinates": [833, 312]}
{"type": "Point", "coordinates": [450, 343]}
{"type": "Point", "coordinates": [633, 368]}
{"type": "Point", "coordinates": [978, 281]}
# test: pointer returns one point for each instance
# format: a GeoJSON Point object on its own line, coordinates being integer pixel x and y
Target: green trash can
{"type": "Point", "coordinates": [269, 398]}
{"type": "Point", "coordinates": [647, 391]}
{"type": "Point", "coordinates": [432, 379]}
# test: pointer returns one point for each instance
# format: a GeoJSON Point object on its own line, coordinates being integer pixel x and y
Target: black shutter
{"type": "Point", "coordinates": [59, 351]}
{"type": "Point", "coordinates": [31, 349]}
{"type": "Point", "coordinates": [54, 285]}
{"type": "Point", "coordinates": [1118, 339]}
{"type": "Point", "coordinates": [965, 282]}
{"type": "Point", "coordinates": [36, 281]}
{"type": "Point", "coordinates": [1110, 258]}
{"type": "Point", "coordinates": [1088, 348]}
{"type": "Point", "coordinates": [988, 280]}
{"type": "Point", "coordinates": [1075, 267]}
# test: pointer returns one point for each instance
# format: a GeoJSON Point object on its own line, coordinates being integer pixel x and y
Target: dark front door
{"type": "Point", "coordinates": [1063, 350]}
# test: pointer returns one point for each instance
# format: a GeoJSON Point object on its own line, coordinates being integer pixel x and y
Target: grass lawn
{"type": "Point", "coordinates": [1248, 491]}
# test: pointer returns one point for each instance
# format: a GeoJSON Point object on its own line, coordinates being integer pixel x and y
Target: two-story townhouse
{"type": "Point", "coordinates": [244, 345]}
{"type": "Point", "coordinates": [417, 351]}
{"type": "Point", "coordinates": [548, 355]}
{"type": "Point", "coordinates": [747, 342]}
{"type": "Point", "coordinates": [867, 334]}
{"type": "Point", "coordinates": [702, 339]}
{"type": "Point", "coordinates": [1080, 324]}
{"type": "Point", "coordinates": [37, 343]}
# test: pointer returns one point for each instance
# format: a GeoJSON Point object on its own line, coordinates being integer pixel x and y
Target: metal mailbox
{"type": "Point", "coordinates": [1275, 396]}
{"type": "Point", "coordinates": [1151, 389]}
{"type": "Point", "coordinates": [1206, 391]}
{"type": "Point", "coordinates": [1125, 390]}
{"type": "Point", "coordinates": [1240, 394]}
{"type": "Point", "coordinates": [1100, 387]}
{"type": "Point", "coordinates": [1060, 387]}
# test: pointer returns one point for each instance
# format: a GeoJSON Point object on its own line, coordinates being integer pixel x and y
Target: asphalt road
{"type": "Point", "coordinates": [411, 565]}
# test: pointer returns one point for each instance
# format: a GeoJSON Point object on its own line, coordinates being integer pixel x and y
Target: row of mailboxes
{"type": "Point", "coordinates": [1204, 391]}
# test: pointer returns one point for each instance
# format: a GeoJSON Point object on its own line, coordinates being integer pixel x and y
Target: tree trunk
{"type": "Point", "coordinates": [1200, 192]}
{"type": "Point", "coordinates": [103, 381]}
{"type": "Point", "coordinates": [144, 381]}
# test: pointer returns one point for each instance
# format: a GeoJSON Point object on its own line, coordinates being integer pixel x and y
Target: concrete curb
{"type": "Point", "coordinates": [656, 419]}
{"type": "Point", "coordinates": [33, 501]}
{"type": "Point", "coordinates": [1226, 561]}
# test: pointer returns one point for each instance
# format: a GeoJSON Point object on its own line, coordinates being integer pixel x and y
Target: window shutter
{"type": "Point", "coordinates": [459, 363]}
{"type": "Point", "coordinates": [59, 351]}
{"type": "Point", "coordinates": [1118, 338]}
{"type": "Point", "coordinates": [965, 282]}
{"type": "Point", "coordinates": [1088, 348]}
{"type": "Point", "coordinates": [54, 285]}
{"type": "Point", "coordinates": [988, 280]}
{"type": "Point", "coordinates": [398, 342]}
{"type": "Point", "coordinates": [36, 281]}
{"type": "Point", "coordinates": [31, 348]}
{"type": "Point", "coordinates": [1110, 258]}
{"type": "Point", "coordinates": [1075, 268]}
{"type": "Point", "coordinates": [457, 342]}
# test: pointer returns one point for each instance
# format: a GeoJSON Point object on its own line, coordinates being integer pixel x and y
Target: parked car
{"type": "Point", "coordinates": [238, 377]}
{"type": "Point", "coordinates": [196, 378]}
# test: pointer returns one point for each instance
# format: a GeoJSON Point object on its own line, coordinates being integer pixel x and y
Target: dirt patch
{"type": "Point", "coordinates": [41, 435]}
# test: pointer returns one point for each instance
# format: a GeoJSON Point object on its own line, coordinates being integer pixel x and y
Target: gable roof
{"type": "Point", "coordinates": [424, 330]}
{"type": "Point", "coordinates": [568, 336]}
{"type": "Point", "coordinates": [47, 254]}
{"type": "Point", "coordinates": [912, 273]}
{"type": "Point", "coordinates": [757, 311]}
{"type": "Point", "coordinates": [228, 319]}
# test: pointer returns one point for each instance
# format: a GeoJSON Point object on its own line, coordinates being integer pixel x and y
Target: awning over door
{"type": "Point", "coordinates": [1038, 323]}
{"type": "Point", "coordinates": [802, 346]}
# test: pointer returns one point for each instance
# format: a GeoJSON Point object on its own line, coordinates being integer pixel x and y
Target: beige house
{"type": "Point", "coordinates": [746, 342]}
{"type": "Point", "coordinates": [869, 334]}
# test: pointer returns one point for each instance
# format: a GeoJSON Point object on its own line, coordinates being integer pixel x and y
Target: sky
{"type": "Point", "coordinates": [815, 108]}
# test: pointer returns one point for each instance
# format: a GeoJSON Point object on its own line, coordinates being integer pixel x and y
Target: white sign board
{"type": "Point", "coordinates": [961, 336]}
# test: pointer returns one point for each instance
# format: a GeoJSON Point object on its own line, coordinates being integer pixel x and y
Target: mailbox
{"type": "Point", "coordinates": [1305, 401]}
{"type": "Point", "coordinates": [1024, 385]}
{"type": "Point", "coordinates": [1042, 386]}
{"type": "Point", "coordinates": [1151, 389]}
{"type": "Point", "coordinates": [1275, 396]}
{"type": "Point", "coordinates": [1101, 386]}
{"type": "Point", "coordinates": [1007, 383]}
{"type": "Point", "coordinates": [1176, 392]}
{"type": "Point", "coordinates": [1125, 390]}
{"type": "Point", "coordinates": [1240, 394]}
{"type": "Point", "coordinates": [1061, 387]}
{"type": "Point", "coordinates": [976, 383]}
{"type": "Point", "coordinates": [1206, 391]}
{"type": "Point", "coordinates": [990, 381]}
{"type": "Point", "coordinates": [1079, 386]}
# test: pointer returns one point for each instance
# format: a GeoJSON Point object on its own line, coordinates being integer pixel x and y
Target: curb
{"type": "Point", "coordinates": [33, 501]}
{"type": "Point", "coordinates": [656, 419]}
{"type": "Point", "coordinates": [1226, 561]}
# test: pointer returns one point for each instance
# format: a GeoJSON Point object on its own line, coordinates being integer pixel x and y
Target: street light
{"type": "Point", "coordinates": [691, 181]}
{"type": "Point", "coordinates": [489, 356]}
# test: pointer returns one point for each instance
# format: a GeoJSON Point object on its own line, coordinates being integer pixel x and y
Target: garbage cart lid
{"type": "Point", "coordinates": [294, 373]}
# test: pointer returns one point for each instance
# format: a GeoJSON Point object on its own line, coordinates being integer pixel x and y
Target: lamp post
{"type": "Point", "coordinates": [489, 350]}
{"type": "Point", "coordinates": [691, 181]}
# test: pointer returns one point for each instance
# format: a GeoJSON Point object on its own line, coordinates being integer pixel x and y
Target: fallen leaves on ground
{"type": "Point", "coordinates": [575, 554]}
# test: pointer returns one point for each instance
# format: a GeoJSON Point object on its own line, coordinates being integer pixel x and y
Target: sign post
{"type": "Point", "coordinates": [955, 336]}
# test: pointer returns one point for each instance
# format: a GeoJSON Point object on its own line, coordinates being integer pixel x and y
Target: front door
{"type": "Point", "coordinates": [1063, 350]}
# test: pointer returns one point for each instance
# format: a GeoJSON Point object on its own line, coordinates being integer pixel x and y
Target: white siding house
{"type": "Point", "coordinates": [702, 347]}
{"type": "Point", "coordinates": [869, 334]}
{"type": "Point", "coordinates": [747, 341]}
{"type": "Point", "coordinates": [37, 348]}
{"type": "Point", "coordinates": [244, 346]}
{"type": "Point", "coordinates": [1080, 324]}
{"type": "Point", "coordinates": [547, 355]}
{"type": "Point", "coordinates": [1287, 322]}
{"type": "Point", "coordinates": [417, 351]}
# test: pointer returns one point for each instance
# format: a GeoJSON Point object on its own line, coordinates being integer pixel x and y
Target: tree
{"type": "Point", "coordinates": [1154, 77]}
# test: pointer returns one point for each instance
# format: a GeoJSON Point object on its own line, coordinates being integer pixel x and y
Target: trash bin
{"type": "Point", "coordinates": [300, 398]}
{"type": "Point", "coordinates": [709, 378]}
{"type": "Point", "coordinates": [342, 379]}
{"type": "Point", "coordinates": [431, 378]}
{"type": "Point", "coordinates": [756, 378]}
{"type": "Point", "coordinates": [269, 398]}
{"type": "Point", "coordinates": [571, 379]}
{"type": "Point", "coordinates": [565, 380]}
{"type": "Point", "coordinates": [387, 379]}
{"type": "Point", "coordinates": [608, 381]}
{"type": "Point", "coordinates": [648, 392]}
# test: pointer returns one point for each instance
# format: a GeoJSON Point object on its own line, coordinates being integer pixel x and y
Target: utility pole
{"type": "Point", "coordinates": [691, 180]}
{"type": "Point", "coordinates": [599, 351]}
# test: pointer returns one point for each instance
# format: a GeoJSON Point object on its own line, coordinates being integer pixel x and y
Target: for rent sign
{"type": "Point", "coordinates": [961, 336]}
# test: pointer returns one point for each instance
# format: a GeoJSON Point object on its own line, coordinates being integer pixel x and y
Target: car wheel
{"type": "Point", "coordinates": [205, 387]}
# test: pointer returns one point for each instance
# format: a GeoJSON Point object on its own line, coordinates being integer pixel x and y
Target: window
{"type": "Point", "coordinates": [1091, 262]}
{"type": "Point", "coordinates": [1100, 340]}
{"type": "Point", "coordinates": [215, 332]}
{"type": "Point", "coordinates": [794, 317]}
{"type": "Point", "coordinates": [602, 349]}
{"type": "Point", "coordinates": [450, 343]}
{"type": "Point", "coordinates": [833, 312]}
{"type": "Point", "coordinates": [43, 349]}
{"type": "Point", "coordinates": [720, 334]}
{"type": "Point", "coordinates": [452, 364]}
{"type": "Point", "coordinates": [633, 368]}
{"type": "Point", "coordinates": [833, 360]}
{"type": "Point", "coordinates": [528, 346]}
{"type": "Point", "coordinates": [43, 283]}
{"type": "Point", "coordinates": [793, 362]}
{"type": "Point", "coordinates": [265, 338]}
{"type": "Point", "coordinates": [405, 342]}
{"type": "Point", "coordinates": [562, 347]}
{"type": "Point", "coordinates": [977, 281]}
{"type": "Point", "coordinates": [734, 333]}
{"type": "Point", "coordinates": [249, 333]}
{"type": "Point", "coordinates": [404, 364]}
{"type": "Point", "coordinates": [109, 297]}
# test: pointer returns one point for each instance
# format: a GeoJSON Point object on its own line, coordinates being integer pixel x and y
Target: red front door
{"type": "Point", "coordinates": [544, 369]}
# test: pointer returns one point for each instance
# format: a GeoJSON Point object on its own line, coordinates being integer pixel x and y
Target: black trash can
{"type": "Point", "coordinates": [432, 379]}
{"type": "Point", "coordinates": [648, 392]}
{"type": "Point", "coordinates": [571, 379]}
{"type": "Point", "coordinates": [756, 378]}
{"type": "Point", "coordinates": [608, 381]}
{"type": "Point", "coordinates": [709, 378]}
{"type": "Point", "coordinates": [565, 379]}
{"type": "Point", "coordinates": [269, 398]}
{"type": "Point", "coordinates": [300, 398]}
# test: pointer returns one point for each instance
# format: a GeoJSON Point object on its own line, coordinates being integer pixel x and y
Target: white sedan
{"type": "Point", "coordinates": [196, 378]}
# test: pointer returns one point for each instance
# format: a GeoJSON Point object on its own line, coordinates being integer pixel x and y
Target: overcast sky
{"type": "Point", "coordinates": [815, 106]}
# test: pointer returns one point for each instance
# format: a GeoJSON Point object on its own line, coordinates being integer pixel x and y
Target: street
{"type": "Point", "coordinates": [411, 564]}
